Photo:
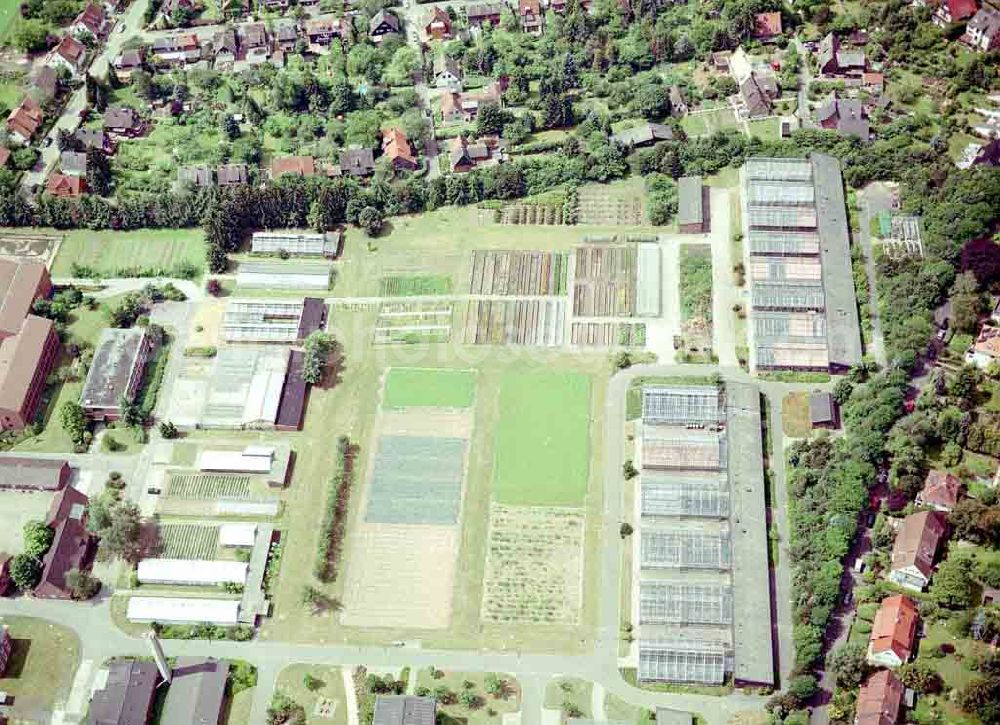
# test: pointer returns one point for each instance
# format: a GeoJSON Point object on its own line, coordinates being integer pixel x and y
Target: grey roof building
{"type": "Point", "coordinates": [33, 474]}
{"type": "Point", "coordinates": [115, 372]}
{"type": "Point", "coordinates": [196, 176]}
{"type": "Point", "coordinates": [404, 710]}
{"type": "Point", "coordinates": [822, 410]}
{"type": "Point", "coordinates": [73, 163]}
{"type": "Point", "coordinates": [127, 696]}
{"type": "Point", "coordinates": [844, 115]}
{"type": "Point", "coordinates": [197, 692]}
{"type": "Point", "coordinates": [357, 162]}
{"type": "Point", "coordinates": [645, 134]}
{"type": "Point", "coordinates": [691, 215]}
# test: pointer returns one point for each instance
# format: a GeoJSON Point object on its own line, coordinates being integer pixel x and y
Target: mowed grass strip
{"type": "Point", "coordinates": [542, 441]}
{"type": "Point", "coordinates": [110, 251]}
{"type": "Point", "coordinates": [429, 388]}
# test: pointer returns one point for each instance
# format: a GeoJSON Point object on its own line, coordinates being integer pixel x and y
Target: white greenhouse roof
{"type": "Point", "coordinates": [237, 534]}
{"type": "Point", "coordinates": [192, 571]}
{"type": "Point", "coordinates": [183, 610]}
{"type": "Point", "coordinates": [235, 461]}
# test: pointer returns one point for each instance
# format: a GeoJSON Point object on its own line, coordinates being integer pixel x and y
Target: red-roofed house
{"type": "Point", "coordinates": [69, 54]}
{"type": "Point", "coordinates": [295, 165]}
{"type": "Point", "coordinates": [438, 25]}
{"type": "Point", "coordinates": [914, 549]}
{"type": "Point", "coordinates": [873, 81]}
{"type": "Point", "coordinates": [767, 26]}
{"type": "Point", "coordinates": [24, 121]}
{"type": "Point", "coordinates": [893, 632]}
{"type": "Point", "coordinates": [72, 546]}
{"type": "Point", "coordinates": [530, 12]}
{"type": "Point", "coordinates": [879, 700]}
{"type": "Point", "coordinates": [396, 148]}
{"type": "Point", "coordinates": [954, 11]}
{"type": "Point", "coordinates": [986, 348]}
{"type": "Point", "coordinates": [941, 491]}
{"type": "Point", "coordinates": [93, 20]}
{"type": "Point", "coordinates": [65, 186]}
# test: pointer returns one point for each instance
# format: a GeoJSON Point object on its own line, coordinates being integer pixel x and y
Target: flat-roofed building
{"type": "Point", "coordinates": [33, 474]}
{"type": "Point", "coordinates": [682, 405]}
{"type": "Point", "coordinates": [191, 572]}
{"type": "Point", "coordinates": [284, 275]}
{"type": "Point", "coordinates": [272, 320]}
{"type": "Point", "coordinates": [692, 217]}
{"type": "Point", "coordinates": [183, 610]}
{"type": "Point", "coordinates": [682, 450]}
{"type": "Point", "coordinates": [676, 601]}
{"type": "Point", "coordinates": [685, 549]}
{"type": "Point", "coordinates": [294, 243]}
{"type": "Point", "coordinates": [691, 661]}
{"type": "Point", "coordinates": [116, 372]}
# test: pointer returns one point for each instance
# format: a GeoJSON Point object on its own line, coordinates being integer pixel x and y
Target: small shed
{"type": "Point", "coordinates": [691, 205]}
{"type": "Point", "coordinates": [822, 411]}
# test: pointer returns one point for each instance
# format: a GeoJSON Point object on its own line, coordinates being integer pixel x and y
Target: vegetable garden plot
{"type": "Point", "coordinates": [417, 480]}
{"type": "Point", "coordinates": [598, 208]}
{"type": "Point", "coordinates": [604, 282]}
{"type": "Point", "coordinates": [187, 541]}
{"type": "Point", "coordinates": [408, 323]}
{"type": "Point", "coordinates": [534, 565]}
{"type": "Point", "coordinates": [412, 285]}
{"type": "Point", "coordinates": [499, 272]}
{"type": "Point", "coordinates": [607, 334]}
{"type": "Point", "coordinates": [208, 486]}
{"type": "Point", "coordinates": [517, 322]}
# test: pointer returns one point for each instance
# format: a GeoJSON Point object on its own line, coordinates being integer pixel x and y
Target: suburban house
{"type": "Point", "coordinates": [24, 121]}
{"type": "Point", "coordinates": [176, 50]}
{"type": "Point", "coordinates": [357, 162]}
{"type": "Point", "coordinates": [127, 696]}
{"type": "Point", "coordinates": [123, 121]}
{"type": "Point", "coordinates": [294, 165]}
{"type": "Point", "coordinates": [199, 176]}
{"type": "Point", "coordinates": [893, 632]}
{"type": "Point", "coordinates": [29, 344]}
{"type": "Point", "coordinates": [644, 135]}
{"type": "Point", "coordinates": [767, 27]}
{"type": "Point", "coordinates": [464, 156]}
{"type": "Point", "coordinates": [846, 116]}
{"type": "Point", "coordinates": [530, 14]}
{"type": "Point", "coordinates": [756, 81]}
{"type": "Point", "coordinates": [285, 35]}
{"type": "Point", "coordinates": [256, 47]}
{"type": "Point", "coordinates": [65, 186]}
{"type": "Point", "coordinates": [456, 108]}
{"type": "Point", "coordinates": [6, 647]}
{"type": "Point", "coordinates": [482, 13]}
{"type": "Point", "coordinates": [986, 348]}
{"type": "Point", "coordinates": [128, 62]}
{"type": "Point", "coordinates": [197, 691]}
{"type": "Point", "coordinates": [322, 31]}
{"type": "Point", "coordinates": [382, 23]}
{"type": "Point", "coordinates": [691, 205]}
{"type": "Point", "coordinates": [949, 12]}
{"type": "Point", "coordinates": [879, 700]}
{"type": "Point", "coordinates": [983, 31]}
{"type": "Point", "coordinates": [73, 163]}
{"type": "Point", "coordinates": [70, 54]}
{"type": "Point", "coordinates": [396, 148]}
{"type": "Point", "coordinates": [404, 710]}
{"type": "Point", "coordinates": [93, 20]}
{"type": "Point", "coordinates": [823, 411]}
{"type": "Point", "coordinates": [231, 175]}
{"type": "Point", "coordinates": [95, 139]}
{"type": "Point", "coordinates": [835, 60]}
{"type": "Point", "coordinates": [447, 73]}
{"type": "Point", "coordinates": [941, 491]}
{"type": "Point", "coordinates": [438, 26]}
{"type": "Point", "coordinates": [756, 100]}
{"type": "Point", "coordinates": [226, 48]}
{"type": "Point", "coordinates": [33, 474]}
{"type": "Point", "coordinates": [116, 372]}
{"type": "Point", "coordinates": [873, 82]}
{"type": "Point", "coordinates": [72, 546]}
{"type": "Point", "coordinates": [914, 549]}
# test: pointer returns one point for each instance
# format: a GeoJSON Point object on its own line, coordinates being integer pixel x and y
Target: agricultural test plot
{"type": "Point", "coordinates": [599, 208]}
{"type": "Point", "coordinates": [512, 273]}
{"type": "Point", "coordinates": [604, 284]}
{"type": "Point", "coordinates": [546, 214]}
{"type": "Point", "coordinates": [516, 322]}
{"type": "Point", "coordinates": [429, 387]}
{"type": "Point", "coordinates": [203, 486]}
{"type": "Point", "coordinates": [414, 285]}
{"type": "Point", "coordinates": [187, 541]}
{"type": "Point", "coordinates": [417, 480]}
{"type": "Point", "coordinates": [608, 334]}
{"type": "Point", "coordinates": [534, 565]}
{"type": "Point", "coordinates": [412, 323]}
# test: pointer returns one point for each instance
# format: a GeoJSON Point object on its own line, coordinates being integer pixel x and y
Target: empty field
{"type": "Point", "coordinates": [426, 387]}
{"type": "Point", "coordinates": [117, 253]}
{"type": "Point", "coordinates": [542, 455]}
{"type": "Point", "coordinates": [534, 565]}
{"type": "Point", "coordinates": [412, 285]}
{"type": "Point", "coordinates": [209, 486]}
{"type": "Point", "coordinates": [187, 541]}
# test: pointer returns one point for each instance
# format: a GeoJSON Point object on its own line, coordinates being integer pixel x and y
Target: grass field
{"type": "Point", "coordinates": [570, 695]}
{"type": "Point", "coordinates": [41, 668]}
{"type": "Point", "coordinates": [10, 11]}
{"type": "Point", "coordinates": [542, 454]}
{"type": "Point", "coordinates": [492, 710]}
{"type": "Point", "coordinates": [423, 387]}
{"type": "Point", "coordinates": [795, 421]}
{"type": "Point", "coordinates": [107, 252]}
{"type": "Point", "coordinates": [410, 285]}
{"type": "Point", "coordinates": [330, 689]}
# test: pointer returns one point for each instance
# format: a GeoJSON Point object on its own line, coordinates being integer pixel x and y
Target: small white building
{"type": "Point", "coordinates": [237, 535]}
{"type": "Point", "coordinates": [183, 610]}
{"type": "Point", "coordinates": [192, 572]}
{"type": "Point", "coordinates": [252, 459]}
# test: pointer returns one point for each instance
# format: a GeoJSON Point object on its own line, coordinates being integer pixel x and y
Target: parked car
{"type": "Point", "coordinates": [848, 598]}
{"type": "Point", "coordinates": [859, 565]}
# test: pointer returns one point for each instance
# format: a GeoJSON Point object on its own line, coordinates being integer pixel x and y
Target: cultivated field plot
{"type": "Point", "coordinates": [417, 480]}
{"type": "Point", "coordinates": [208, 486]}
{"type": "Point", "coordinates": [414, 285]}
{"type": "Point", "coordinates": [604, 284]}
{"type": "Point", "coordinates": [518, 273]}
{"type": "Point", "coordinates": [429, 387]}
{"type": "Point", "coordinates": [187, 541]}
{"type": "Point", "coordinates": [35, 246]}
{"type": "Point", "coordinates": [516, 322]}
{"type": "Point", "coordinates": [547, 214]}
{"type": "Point", "coordinates": [400, 576]}
{"type": "Point", "coordinates": [534, 565]}
{"type": "Point", "coordinates": [411, 323]}
{"type": "Point", "coordinates": [607, 334]}
{"type": "Point", "coordinates": [599, 208]}
{"type": "Point", "coordinates": [542, 453]}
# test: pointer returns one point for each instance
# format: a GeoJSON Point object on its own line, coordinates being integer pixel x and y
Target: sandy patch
{"type": "Point", "coordinates": [208, 316]}
{"type": "Point", "coordinates": [427, 422]}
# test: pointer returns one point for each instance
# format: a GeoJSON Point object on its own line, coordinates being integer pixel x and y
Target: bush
{"type": "Point", "coordinates": [335, 515]}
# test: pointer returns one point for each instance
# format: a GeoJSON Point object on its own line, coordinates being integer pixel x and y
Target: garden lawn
{"type": "Point", "coordinates": [331, 688]}
{"type": "Point", "coordinates": [427, 388]}
{"type": "Point", "coordinates": [41, 668]}
{"type": "Point", "coordinates": [542, 453]}
{"type": "Point", "coordinates": [795, 420]}
{"type": "Point", "coordinates": [570, 695]}
{"type": "Point", "coordinates": [109, 252]}
{"type": "Point", "coordinates": [10, 11]}
{"type": "Point", "coordinates": [696, 282]}
{"type": "Point", "coordinates": [492, 710]}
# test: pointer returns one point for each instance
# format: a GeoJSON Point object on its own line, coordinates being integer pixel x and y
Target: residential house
{"type": "Point", "coordinates": [880, 699]}
{"type": "Point", "coordinates": [24, 121]}
{"type": "Point", "coordinates": [767, 27]}
{"type": "Point", "coordinates": [256, 47]}
{"type": "Point", "coordinates": [834, 59]}
{"type": "Point", "coordinates": [6, 643]}
{"type": "Point", "coordinates": [756, 81]}
{"type": "Point", "coordinates": [644, 135]}
{"type": "Point", "coordinates": [116, 372]}
{"type": "Point", "coordinates": [754, 98]}
{"type": "Point", "coordinates": [232, 175]}
{"type": "Point", "coordinates": [197, 692]}
{"type": "Point", "coordinates": [276, 4]}
{"type": "Point", "coordinates": [914, 550]}
{"type": "Point", "coordinates": [396, 148]}
{"type": "Point", "coordinates": [530, 14]}
{"type": "Point", "coordinates": [34, 474]}
{"type": "Point", "coordinates": [404, 710]}
{"type": "Point", "coordinates": [382, 23]}
{"type": "Point", "coordinates": [982, 32]}
{"type": "Point", "coordinates": [128, 62]}
{"type": "Point", "coordinates": [438, 26]}
{"type": "Point", "coordinates": [73, 163]}
{"type": "Point", "coordinates": [482, 13]}
{"type": "Point", "coordinates": [43, 84]}
{"type": "Point", "coordinates": [986, 349]}
{"type": "Point", "coordinates": [464, 156]}
{"type": "Point", "coordinates": [67, 187]}
{"type": "Point", "coordinates": [941, 491]}
{"type": "Point", "coordinates": [321, 32]}
{"type": "Point", "coordinates": [94, 139]}
{"type": "Point", "coordinates": [226, 48]}
{"type": "Point", "coordinates": [678, 106]}
{"type": "Point", "coordinates": [894, 632]}
{"type": "Point", "coordinates": [199, 176]}
{"type": "Point", "coordinates": [93, 20]}
{"type": "Point", "coordinates": [873, 82]}
{"type": "Point", "coordinates": [358, 163]}
{"type": "Point", "coordinates": [295, 165]}
{"type": "Point", "coordinates": [70, 54]}
{"type": "Point", "coordinates": [175, 50]}
{"type": "Point", "coordinates": [286, 34]}
{"type": "Point", "coordinates": [823, 411]}
{"type": "Point", "coordinates": [127, 695]}
{"type": "Point", "coordinates": [846, 116]}
{"type": "Point", "coordinates": [950, 12]}
{"type": "Point", "coordinates": [447, 73]}
{"type": "Point", "coordinates": [72, 546]}
{"type": "Point", "coordinates": [453, 110]}
{"type": "Point", "coordinates": [123, 121]}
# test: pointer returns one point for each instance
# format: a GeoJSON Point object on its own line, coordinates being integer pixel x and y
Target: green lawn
{"type": "Point", "coordinates": [490, 710]}
{"type": "Point", "coordinates": [766, 129]}
{"type": "Point", "coordinates": [109, 253]}
{"type": "Point", "coordinates": [696, 282]}
{"type": "Point", "coordinates": [429, 388]}
{"type": "Point", "coordinates": [41, 668]}
{"type": "Point", "coordinates": [542, 451]}
{"type": "Point", "coordinates": [10, 11]}
{"type": "Point", "coordinates": [570, 695]}
{"type": "Point", "coordinates": [330, 687]}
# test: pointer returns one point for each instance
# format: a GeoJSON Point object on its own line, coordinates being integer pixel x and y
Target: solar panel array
{"type": "Point", "coordinates": [695, 661]}
{"type": "Point", "coordinates": [681, 549]}
{"type": "Point", "coordinates": [676, 602]}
